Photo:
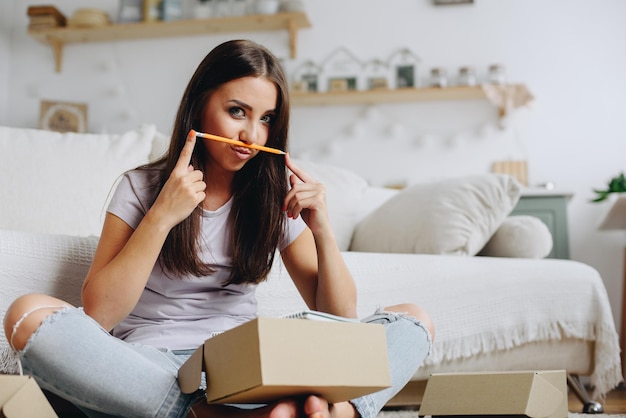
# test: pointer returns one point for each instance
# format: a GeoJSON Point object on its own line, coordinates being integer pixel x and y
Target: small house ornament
{"type": "Point", "coordinates": [341, 70]}
{"type": "Point", "coordinates": [306, 78]}
{"type": "Point", "coordinates": [404, 64]}
{"type": "Point", "coordinates": [376, 75]}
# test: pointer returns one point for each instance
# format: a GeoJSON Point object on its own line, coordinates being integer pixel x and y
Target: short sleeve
{"type": "Point", "coordinates": [293, 229]}
{"type": "Point", "coordinates": [134, 195]}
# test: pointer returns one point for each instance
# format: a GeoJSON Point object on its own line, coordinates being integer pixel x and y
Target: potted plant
{"type": "Point", "coordinates": [616, 185]}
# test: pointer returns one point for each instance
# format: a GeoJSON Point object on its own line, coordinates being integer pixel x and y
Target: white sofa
{"type": "Point", "coordinates": [416, 245]}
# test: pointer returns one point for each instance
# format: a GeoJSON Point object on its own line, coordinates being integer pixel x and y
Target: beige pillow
{"type": "Point", "coordinates": [520, 237]}
{"type": "Point", "coordinates": [453, 216]}
{"type": "Point", "coordinates": [344, 194]}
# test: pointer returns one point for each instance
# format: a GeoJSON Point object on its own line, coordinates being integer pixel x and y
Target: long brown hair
{"type": "Point", "coordinates": [258, 188]}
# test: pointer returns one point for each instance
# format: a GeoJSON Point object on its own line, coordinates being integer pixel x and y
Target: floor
{"type": "Point", "coordinates": [615, 402]}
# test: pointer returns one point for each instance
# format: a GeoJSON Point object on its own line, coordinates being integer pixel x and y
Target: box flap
{"type": "Point", "coordinates": [190, 373]}
{"type": "Point", "coordinates": [544, 398]}
{"type": "Point", "coordinates": [28, 402]}
{"type": "Point", "coordinates": [232, 361]}
{"type": "Point", "coordinates": [10, 385]}
{"type": "Point", "coordinates": [505, 393]}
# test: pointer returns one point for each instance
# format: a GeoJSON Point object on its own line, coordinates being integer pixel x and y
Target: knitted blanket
{"type": "Point", "coordinates": [481, 306]}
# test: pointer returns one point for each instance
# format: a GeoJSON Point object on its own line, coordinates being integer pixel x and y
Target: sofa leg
{"type": "Point", "coordinates": [589, 406]}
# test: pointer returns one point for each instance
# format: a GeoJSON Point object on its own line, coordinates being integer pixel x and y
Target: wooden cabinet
{"type": "Point", "coordinates": [551, 208]}
{"type": "Point", "coordinates": [58, 37]}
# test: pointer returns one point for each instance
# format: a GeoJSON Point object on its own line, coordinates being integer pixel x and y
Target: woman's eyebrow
{"type": "Point", "coordinates": [241, 104]}
{"type": "Point", "coordinates": [247, 106]}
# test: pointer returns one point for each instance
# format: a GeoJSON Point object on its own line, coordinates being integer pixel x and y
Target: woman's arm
{"type": "Point", "coordinates": [314, 260]}
{"type": "Point", "coordinates": [125, 257]}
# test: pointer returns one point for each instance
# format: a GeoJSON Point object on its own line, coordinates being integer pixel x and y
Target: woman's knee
{"type": "Point", "coordinates": [416, 312]}
{"type": "Point", "coordinates": [25, 314]}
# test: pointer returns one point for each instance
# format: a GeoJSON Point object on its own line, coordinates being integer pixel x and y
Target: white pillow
{"type": "Point", "coordinates": [55, 265]}
{"type": "Point", "coordinates": [59, 183]}
{"type": "Point", "coordinates": [520, 237]}
{"type": "Point", "coordinates": [344, 193]}
{"type": "Point", "coordinates": [453, 216]}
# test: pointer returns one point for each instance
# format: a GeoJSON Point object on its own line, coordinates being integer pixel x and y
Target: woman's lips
{"type": "Point", "coordinates": [242, 152]}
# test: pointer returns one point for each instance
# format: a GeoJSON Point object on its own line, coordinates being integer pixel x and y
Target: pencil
{"type": "Point", "coordinates": [239, 143]}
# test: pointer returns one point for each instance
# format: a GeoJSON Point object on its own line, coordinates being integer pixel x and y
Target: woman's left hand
{"type": "Point", "coordinates": [307, 198]}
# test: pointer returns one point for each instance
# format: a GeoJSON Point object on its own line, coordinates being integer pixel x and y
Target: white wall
{"type": "Point", "coordinates": [570, 54]}
{"type": "Point", "coordinates": [6, 13]}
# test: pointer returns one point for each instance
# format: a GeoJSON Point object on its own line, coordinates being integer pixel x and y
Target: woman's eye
{"type": "Point", "coordinates": [236, 112]}
{"type": "Point", "coordinates": [268, 119]}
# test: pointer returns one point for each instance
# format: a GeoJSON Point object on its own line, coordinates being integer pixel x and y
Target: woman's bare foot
{"type": "Point", "coordinates": [314, 407]}
{"type": "Point", "coordinates": [283, 409]}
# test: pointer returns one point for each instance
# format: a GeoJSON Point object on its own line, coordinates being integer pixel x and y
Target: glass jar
{"type": "Point", "coordinates": [204, 9]}
{"type": "Point", "coordinates": [438, 77]}
{"type": "Point", "coordinates": [238, 7]}
{"type": "Point", "coordinates": [467, 77]}
{"type": "Point", "coordinates": [222, 8]}
{"type": "Point", "coordinates": [496, 74]}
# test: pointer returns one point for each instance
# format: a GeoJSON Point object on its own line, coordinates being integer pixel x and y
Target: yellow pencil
{"type": "Point", "coordinates": [239, 143]}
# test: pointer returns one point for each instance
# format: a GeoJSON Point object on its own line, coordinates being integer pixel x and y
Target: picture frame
{"type": "Point", "coordinates": [63, 116]}
{"type": "Point", "coordinates": [451, 2]}
{"type": "Point", "coordinates": [130, 11]}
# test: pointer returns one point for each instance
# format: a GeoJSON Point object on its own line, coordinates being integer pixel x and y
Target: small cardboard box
{"type": "Point", "coordinates": [272, 358]}
{"type": "Point", "coordinates": [536, 394]}
{"type": "Point", "coordinates": [20, 397]}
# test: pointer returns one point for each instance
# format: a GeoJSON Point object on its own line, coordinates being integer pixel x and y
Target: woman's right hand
{"type": "Point", "coordinates": [184, 190]}
{"type": "Point", "coordinates": [125, 257]}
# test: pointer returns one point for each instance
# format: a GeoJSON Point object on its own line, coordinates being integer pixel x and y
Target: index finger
{"type": "Point", "coordinates": [184, 159]}
{"type": "Point", "coordinates": [302, 175]}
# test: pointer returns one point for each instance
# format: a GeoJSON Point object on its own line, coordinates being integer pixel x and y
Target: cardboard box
{"type": "Point", "coordinates": [271, 358]}
{"type": "Point", "coordinates": [526, 393]}
{"type": "Point", "coordinates": [20, 397]}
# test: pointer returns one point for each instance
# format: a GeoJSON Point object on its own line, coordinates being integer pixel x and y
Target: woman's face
{"type": "Point", "coordinates": [242, 109]}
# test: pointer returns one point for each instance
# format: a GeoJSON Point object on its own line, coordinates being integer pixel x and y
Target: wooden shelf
{"type": "Point", "coordinates": [58, 37]}
{"type": "Point", "coordinates": [500, 96]}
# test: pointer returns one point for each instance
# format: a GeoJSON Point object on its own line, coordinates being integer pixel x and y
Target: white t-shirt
{"type": "Point", "coordinates": [181, 313]}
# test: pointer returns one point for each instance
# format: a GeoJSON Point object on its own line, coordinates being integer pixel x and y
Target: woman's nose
{"type": "Point", "coordinates": [248, 134]}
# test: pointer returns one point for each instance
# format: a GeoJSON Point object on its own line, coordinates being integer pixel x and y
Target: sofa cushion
{"type": "Point", "coordinates": [54, 265]}
{"type": "Point", "coordinates": [345, 191]}
{"type": "Point", "coordinates": [453, 216]}
{"type": "Point", "coordinates": [84, 168]}
{"type": "Point", "coordinates": [520, 237]}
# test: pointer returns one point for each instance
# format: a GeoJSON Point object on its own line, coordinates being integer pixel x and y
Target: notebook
{"type": "Point", "coordinates": [318, 316]}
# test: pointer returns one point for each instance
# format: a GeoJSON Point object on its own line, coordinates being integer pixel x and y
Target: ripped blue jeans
{"type": "Point", "coordinates": [72, 356]}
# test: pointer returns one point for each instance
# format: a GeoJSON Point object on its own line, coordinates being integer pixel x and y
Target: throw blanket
{"type": "Point", "coordinates": [480, 305]}
{"type": "Point", "coordinates": [483, 306]}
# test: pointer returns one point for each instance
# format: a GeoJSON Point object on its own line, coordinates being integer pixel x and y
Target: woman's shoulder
{"type": "Point", "coordinates": [143, 183]}
{"type": "Point", "coordinates": [144, 177]}
{"type": "Point", "coordinates": [135, 193]}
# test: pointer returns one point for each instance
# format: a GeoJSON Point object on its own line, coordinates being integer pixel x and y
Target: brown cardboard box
{"type": "Point", "coordinates": [20, 397]}
{"type": "Point", "coordinates": [537, 394]}
{"type": "Point", "coordinates": [271, 358]}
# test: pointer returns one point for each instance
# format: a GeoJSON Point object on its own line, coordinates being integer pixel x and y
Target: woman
{"type": "Point", "coordinates": [184, 242]}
